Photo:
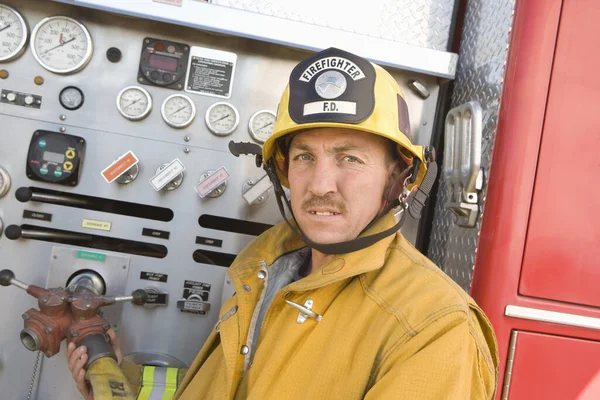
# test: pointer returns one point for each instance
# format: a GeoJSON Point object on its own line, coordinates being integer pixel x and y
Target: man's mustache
{"type": "Point", "coordinates": [324, 201]}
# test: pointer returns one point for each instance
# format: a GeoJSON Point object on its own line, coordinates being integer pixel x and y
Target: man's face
{"type": "Point", "coordinates": [337, 178]}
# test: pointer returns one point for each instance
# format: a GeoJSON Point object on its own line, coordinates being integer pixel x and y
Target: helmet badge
{"type": "Point", "coordinates": [331, 84]}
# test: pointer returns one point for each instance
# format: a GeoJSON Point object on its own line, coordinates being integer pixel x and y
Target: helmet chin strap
{"type": "Point", "coordinates": [340, 247]}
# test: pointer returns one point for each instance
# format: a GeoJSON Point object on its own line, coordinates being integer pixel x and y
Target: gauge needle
{"type": "Point", "coordinates": [217, 120]}
{"type": "Point", "coordinates": [55, 47]}
{"type": "Point", "coordinates": [132, 103]}
{"type": "Point", "coordinates": [6, 27]}
{"type": "Point", "coordinates": [173, 113]}
{"type": "Point", "coordinates": [264, 126]}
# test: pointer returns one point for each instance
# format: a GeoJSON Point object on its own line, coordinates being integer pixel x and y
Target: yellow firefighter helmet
{"type": "Point", "coordinates": [338, 89]}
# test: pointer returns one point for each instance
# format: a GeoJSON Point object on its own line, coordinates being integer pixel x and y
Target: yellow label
{"type": "Point", "coordinates": [93, 224]}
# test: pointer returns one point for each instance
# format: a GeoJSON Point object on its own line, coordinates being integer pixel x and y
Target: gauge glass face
{"type": "Point", "coordinates": [261, 125]}
{"type": "Point", "coordinates": [61, 45]}
{"type": "Point", "coordinates": [178, 111]}
{"type": "Point", "coordinates": [71, 98]}
{"type": "Point", "coordinates": [134, 103]}
{"type": "Point", "coordinates": [13, 33]}
{"type": "Point", "coordinates": [222, 118]}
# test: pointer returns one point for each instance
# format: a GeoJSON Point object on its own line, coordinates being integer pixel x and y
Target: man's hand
{"type": "Point", "coordinates": [76, 359]}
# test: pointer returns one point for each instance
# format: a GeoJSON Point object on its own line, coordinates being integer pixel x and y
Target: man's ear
{"type": "Point", "coordinates": [282, 165]}
{"type": "Point", "coordinates": [397, 175]}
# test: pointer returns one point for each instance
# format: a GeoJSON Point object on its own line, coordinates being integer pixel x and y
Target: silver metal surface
{"type": "Point", "coordinates": [416, 22]}
{"type": "Point", "coordinates": [262, 71]}
{"type": "Point", "coordinates": [483, 55]}
{"type": "Point", "coordinates": [512, 348]}
{"type": "Point", "coordinates": [419, 22]}
{"type": "Point", "coordinates": [462, 161]}
{"type": "Point", "coordinates": [536, 314]}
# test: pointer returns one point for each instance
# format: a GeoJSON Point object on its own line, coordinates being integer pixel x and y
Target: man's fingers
{"type": "Point", "coordinates": [82, 384]}
{"type": "Point", "coordinates": [78, 366]}
{"type": "Point", "coordinates": [114, 340]}
{"type": "Point", "coordinates": [70, 348]}
{"type": "Point", "coordinates": [75, 355]}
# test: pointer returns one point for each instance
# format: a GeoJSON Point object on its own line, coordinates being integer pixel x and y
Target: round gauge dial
{"type": "Point", "coordinates": [61, 45]}
{"type": "Point", "coordinates": [4, 182]}
{"type": "Point", "coordinates": [261, 125]}
{"type": "Point", "coordinates": [178, 110]}
{"type": "Point", "coordinates": [222, 118]}
{"type": "Point", "coordinates": [13, 33]}
{"type": "Point", "coordinates": [134, 103]}
{"type": "Point", "coordinates": [71, 98]}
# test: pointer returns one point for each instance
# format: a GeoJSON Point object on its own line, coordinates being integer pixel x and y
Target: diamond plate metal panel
{"type": "Point", "coordinates": [423, 23]}
{"type": "Point", "coordinates": [481, 65]}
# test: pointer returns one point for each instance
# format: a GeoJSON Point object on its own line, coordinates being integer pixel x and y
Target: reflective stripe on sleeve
{"type": "Point", "coordinates": [158, 383]}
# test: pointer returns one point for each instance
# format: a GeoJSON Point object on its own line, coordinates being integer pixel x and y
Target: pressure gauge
{"type": "Point", "coordinates": [71, 98]}
{"type": "Point", "coordinates": [134, 103]}
{"type": "Point", "coordinates": [4, 182]}
{"type": "Point", "coordinates": [222, 118]}
{"type": "Point", "coordinates": [61, 45]}
{"type": "Point", "coordinates": [13, 33]}
{"type": "Point", "coordinates": [261, 125]}
{"type": "Point", "coordinates": [178, 110]}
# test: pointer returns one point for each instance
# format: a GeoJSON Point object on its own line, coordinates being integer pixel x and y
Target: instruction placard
{"type": "Point", "coordinates": [210, 72]}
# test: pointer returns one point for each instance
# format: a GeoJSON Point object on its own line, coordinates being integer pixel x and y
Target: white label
{"type": "Point", "coordinates": [212, 182]}
{"type": "Point", "coordinates": [329, 107]}
{"type": "Point", "coordinates": [170, 172]}
{"type": "Point", "coordinates": [339, 63]}
{"type": "Point", "coordinates": [260, 188]}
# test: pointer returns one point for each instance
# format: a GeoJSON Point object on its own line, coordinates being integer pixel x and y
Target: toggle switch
{"type": "Point", "coordinates": [169, 176]}
{"type": "Point", "coordinates": [212, 183]}
{"type": "Point", "coordinates": [123, 170]}
{"type": "Point", "coordinates": [256, 190]}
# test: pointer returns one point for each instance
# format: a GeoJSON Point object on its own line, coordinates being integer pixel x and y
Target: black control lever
{"type": "Point", "coordinates": [238, 148]}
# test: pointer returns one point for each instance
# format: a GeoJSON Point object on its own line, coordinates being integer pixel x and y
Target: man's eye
{"type": "Point", "coordinates": [302, 157]}
{"type": "Point", "coordinates": [351, 159]}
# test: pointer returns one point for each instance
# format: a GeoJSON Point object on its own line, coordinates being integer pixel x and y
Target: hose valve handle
{"type": "Point", "coordinates": [138, 297]}
{"type": "Point", "coordinates": [7, 278]}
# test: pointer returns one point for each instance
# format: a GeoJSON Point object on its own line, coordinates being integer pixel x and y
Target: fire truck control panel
{"type": "Point", "coordinates": [115, 167]}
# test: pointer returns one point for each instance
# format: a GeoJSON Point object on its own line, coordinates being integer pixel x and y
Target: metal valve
{"type": "Point", "coordinates": [72, 313]}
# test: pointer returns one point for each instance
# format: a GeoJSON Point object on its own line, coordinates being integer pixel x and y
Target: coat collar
{"type": "Point", "coordinates": [280, 240]}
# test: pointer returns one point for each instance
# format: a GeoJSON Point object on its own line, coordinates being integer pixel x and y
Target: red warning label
{"type": "Point", "coordinates": [119, 167]}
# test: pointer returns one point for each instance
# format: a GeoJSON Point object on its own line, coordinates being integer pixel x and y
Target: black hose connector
{"type": "Point", "coordinates": [98, 346]}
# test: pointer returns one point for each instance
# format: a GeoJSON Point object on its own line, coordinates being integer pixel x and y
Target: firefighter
{"type": "Point", "coordinates": [334, 303]}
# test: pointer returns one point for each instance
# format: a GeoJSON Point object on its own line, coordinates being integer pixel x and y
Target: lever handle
{"type": "Point", "coordinates": [138, 297]}
{"type": "Point", "coordinates": [237, 148]}
{"type": "Point", "coordinates": [7, 278]}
